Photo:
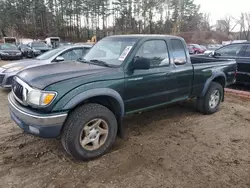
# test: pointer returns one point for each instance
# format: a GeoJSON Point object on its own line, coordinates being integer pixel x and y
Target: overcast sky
{"type": "Point", "coordinates": [220, 8]}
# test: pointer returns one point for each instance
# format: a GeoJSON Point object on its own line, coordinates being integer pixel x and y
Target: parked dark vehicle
{"type": "Point", "coordinates": [36, 49]}
{"type": "Point", "coordinates": [65, 53]}
{"type": "Point", "coordinates": [24, 49]}
{"type": "Point", "coordinates": [241, 53]}
{"type": "Point", "coordinates": [9, 52]}
{"type": "Point", "coordinates": [84, 102]}
{"type": "Point", "coordinates": [197, 48]}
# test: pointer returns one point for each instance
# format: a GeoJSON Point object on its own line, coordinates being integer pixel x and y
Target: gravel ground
{"type": "Point", "coordinates": [168, 147]}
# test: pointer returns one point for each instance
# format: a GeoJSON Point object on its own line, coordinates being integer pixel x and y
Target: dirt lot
{"type": "Point", "coordinates": [168, 147]}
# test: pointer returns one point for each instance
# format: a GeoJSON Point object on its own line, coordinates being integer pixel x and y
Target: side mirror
{"type": "Point", "coordinates": [180, 61]}
{"type": "Point", "coordinates": [214, 54]}
{"type": "Point", "coordinates": [59, 58]}
{"type": "Point", "coordinates": [141, 64]}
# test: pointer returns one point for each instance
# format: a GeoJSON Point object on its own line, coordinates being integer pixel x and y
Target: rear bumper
{"type": "Point", "coordinates": [42, 125]}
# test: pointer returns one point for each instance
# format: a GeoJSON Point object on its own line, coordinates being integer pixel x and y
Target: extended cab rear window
{"type": "Point", "coordinates": [178, 52]}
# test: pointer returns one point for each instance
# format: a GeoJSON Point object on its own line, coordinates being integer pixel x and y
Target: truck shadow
{"type": "Point", "coordinates": [155, 115]}
{"type": "Point", "coordinates": [155, 120]}
{"type": "Point", "coordinates": [240, 87]}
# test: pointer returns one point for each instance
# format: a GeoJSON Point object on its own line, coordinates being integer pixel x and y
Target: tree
{"type": "Point", "coordinates": [81, 19]}
{"type": "Point", "coordinates": [245, 25]}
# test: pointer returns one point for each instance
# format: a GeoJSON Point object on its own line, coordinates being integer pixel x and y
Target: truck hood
{"type": "Point", "coordinates": [42, 76]}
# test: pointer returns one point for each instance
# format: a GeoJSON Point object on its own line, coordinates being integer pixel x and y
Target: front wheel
{"type": "Point", "coordinates": [89, 132]}
{"type": "Point", "coordinates": [210, 103]}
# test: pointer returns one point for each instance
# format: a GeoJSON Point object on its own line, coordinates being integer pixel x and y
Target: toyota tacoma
{"type": "Point", "coordinates": [84, 102]}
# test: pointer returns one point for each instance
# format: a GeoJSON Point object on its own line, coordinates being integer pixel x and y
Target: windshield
{"type": "Point", "coordinates": [112, 51]}
{"type": "Point", "coordinates": [39, 44]}
{"type": "Point", "coordinates": [49, 54]}
{"type": "Point", "coordinates": [8, 47]}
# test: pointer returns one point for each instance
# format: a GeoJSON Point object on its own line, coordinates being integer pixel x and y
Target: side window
{"type": "Point", "coordinates": [156, 51]}
{"type": "Point", "coordinates": [85, 51]}
{"type": "Point", "coordinates": [178, 52]}
{"type": "Point", "coordinates": [231, 50]}
{"type": "Point", "coordinates": [247, 53]}
{"type": "Point", "coordinates": [67, 55]}
{"type": "Point", "coordinates": [77, 53]}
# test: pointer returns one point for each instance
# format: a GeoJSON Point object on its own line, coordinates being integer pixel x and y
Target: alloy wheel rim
{"type": "Point", "coordinates": [214, 99]}
{"type": "Point", "coordinates": [94, 134]}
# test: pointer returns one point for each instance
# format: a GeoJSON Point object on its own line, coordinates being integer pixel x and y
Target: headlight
{"type": "Point", "coordinates": [40, 98]}
{"type": "Point", "coordinates": [19, 53]}
{"type": "Point", "coordinates": [36, 51]}
{"type": "Point", "coordinates": [3, 53]}
{"type": "Point", "coordinates": [14, 69]}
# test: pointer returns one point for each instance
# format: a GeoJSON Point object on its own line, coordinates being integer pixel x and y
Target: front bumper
{"type": "Point", "coordinates": [11, 57]}
{"type": "Point", "coordinates": [37, 53]}
{"type": "Point", "coordinates": [42, 125]}
{"type": "Point", "coordinates": [6, 79]}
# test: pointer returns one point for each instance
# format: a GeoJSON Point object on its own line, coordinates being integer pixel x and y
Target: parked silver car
{"type": "Point", "coordinates": [65, 53]}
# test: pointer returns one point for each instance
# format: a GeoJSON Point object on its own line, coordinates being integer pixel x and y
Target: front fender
{"type": "Point", "coordinates": [209, 80]}
{"type": "Point", "coordinates": [76, 100]}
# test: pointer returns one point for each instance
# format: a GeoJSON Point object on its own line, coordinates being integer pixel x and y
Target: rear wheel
{"type": "Point", "coordinates": [89, 132]}
{"type": "Point", "coordinates": [210, 103]}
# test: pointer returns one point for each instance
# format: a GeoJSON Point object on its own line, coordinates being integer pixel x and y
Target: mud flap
{"type": "Point", "coordinates": [223, 96]}
{"type": "Point", "coordinates": [121, 132]}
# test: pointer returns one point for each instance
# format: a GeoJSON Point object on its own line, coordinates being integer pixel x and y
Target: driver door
{"type": "Point", "coordinates": [148, 88]}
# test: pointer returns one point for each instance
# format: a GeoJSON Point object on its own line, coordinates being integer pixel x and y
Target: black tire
{"type": "Point", "coordinates": [74, 125]}
{"type": "Point", "coordinates": [202, 104]}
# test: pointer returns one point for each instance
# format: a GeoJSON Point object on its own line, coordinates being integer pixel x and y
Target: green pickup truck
{"type": "Point", "coordinates": [84, 102]}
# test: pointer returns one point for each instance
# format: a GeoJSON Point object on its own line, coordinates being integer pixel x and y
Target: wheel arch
{"type": "Point", "coordinates": [98, 95]}
{"type": "Point", "coordinates": [103, 96]}
{"type": "Point", "coordinates": [219, 77]}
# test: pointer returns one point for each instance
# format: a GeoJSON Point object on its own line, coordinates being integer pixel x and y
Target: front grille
{"type": "Point", "coordinates": [1, 78]}
{"type": "Point", "coordinates": [17, 90]}
{"type": "Point", "coordinates": [9, 80]}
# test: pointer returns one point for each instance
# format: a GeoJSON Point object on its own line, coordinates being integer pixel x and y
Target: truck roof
{"type": "Point", "coordinates": [141, 36]}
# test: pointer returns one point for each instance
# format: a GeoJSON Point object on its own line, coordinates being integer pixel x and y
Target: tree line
{"type": "Point", "coordinates": [81, 19]}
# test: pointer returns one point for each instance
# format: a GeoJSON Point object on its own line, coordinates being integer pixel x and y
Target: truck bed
{"type": "Point", "coordinates": [211, 66]}
{"type": "Point", "coordinates": [205, 59]}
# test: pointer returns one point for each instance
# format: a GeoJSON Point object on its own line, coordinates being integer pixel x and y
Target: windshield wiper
{"type": "Point", "coordinates": [95, 61]}
{"type": "Point", "coordinates": [100, 62]}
